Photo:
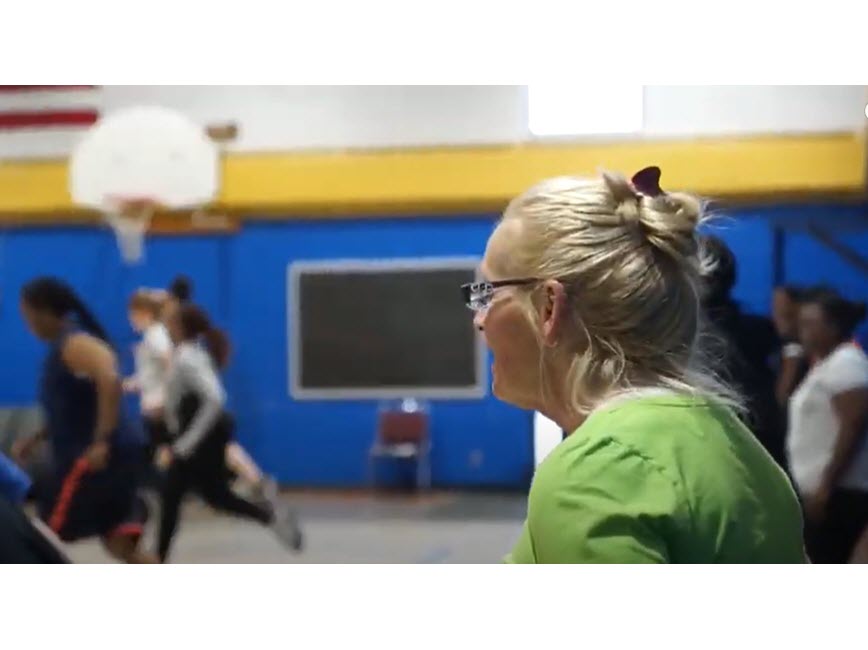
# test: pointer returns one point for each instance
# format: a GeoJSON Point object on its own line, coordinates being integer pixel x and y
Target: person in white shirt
{"type": "Point", "coordinates": [153, 356]}
{"type": "Point", "coordinates": [828, 419]}
{"type": "Point", "coordinates": [201, 429]}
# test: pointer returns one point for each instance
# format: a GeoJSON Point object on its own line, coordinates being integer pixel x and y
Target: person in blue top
{"type": "Point", "coordinates": [22, 540]}
{"type": "Point", "coordinates": [14, 481]}
{"type": "Point", "coordinates": [97, 453]}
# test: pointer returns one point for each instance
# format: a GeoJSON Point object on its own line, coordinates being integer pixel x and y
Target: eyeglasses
{"type": "Point", "coordinates": [478, 295]}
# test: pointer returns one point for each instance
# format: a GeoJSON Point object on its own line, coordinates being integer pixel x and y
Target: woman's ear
{"type": "Point", "coordinates": [552, 310]}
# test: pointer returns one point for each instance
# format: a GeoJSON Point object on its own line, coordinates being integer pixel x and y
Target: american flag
{"type": "Point", "coordinates": [45, 121]}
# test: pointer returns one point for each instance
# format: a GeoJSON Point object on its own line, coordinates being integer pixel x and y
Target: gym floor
{"type": "Point", "coordinates": [451, 528]}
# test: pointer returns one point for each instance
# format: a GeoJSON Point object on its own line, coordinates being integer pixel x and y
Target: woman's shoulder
{"type": "Point", "coordinates": [605, 459]}
{"type": "Point", "coordinates": [848, 360]}
{"type": "Point", "coordinates": [667, 435]}
{"type": "Point", "coordinates": [849, 354]}
{"type": "Point", "coordinates": [846, 368]}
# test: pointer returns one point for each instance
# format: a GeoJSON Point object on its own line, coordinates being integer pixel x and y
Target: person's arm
{"type": "Point", "coordinates": [197, 375]}
{"type": "Point", "coordinates": [90, 357]}
{"type": "Point", "coordinates": [131, 384]}
{"type": "Point", "coordinates": [791, 362]}
{"type": "Point", "coordinates": [851, 408]}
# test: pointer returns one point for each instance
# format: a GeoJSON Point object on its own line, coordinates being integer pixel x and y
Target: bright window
{"type": "Point", "coordinates": [584, 109]}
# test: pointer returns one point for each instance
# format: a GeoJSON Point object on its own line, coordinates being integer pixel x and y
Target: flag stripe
{"type": "Point", "coordinates": [46, 121]}
{"type": "Point", "coordinates": [31, 119]}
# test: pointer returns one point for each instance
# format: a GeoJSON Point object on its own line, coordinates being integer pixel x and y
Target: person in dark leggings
{"type": "Point", "coordinates": [194, 409]}
{"type": "Point", "coordinates": [239, 462]}
{"type": "Point", "coordinates": [97, 453]}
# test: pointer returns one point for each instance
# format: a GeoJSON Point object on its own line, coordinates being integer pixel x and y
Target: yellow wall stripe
{"type": "Point", "coordinates": [444, 180]}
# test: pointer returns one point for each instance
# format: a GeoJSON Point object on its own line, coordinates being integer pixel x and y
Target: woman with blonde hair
{"type": "Point", "coordinates": [591, 307]}
{"type": "Point", "coordinates": [153, 357]}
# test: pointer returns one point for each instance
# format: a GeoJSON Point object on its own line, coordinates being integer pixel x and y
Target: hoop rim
{"type": "Point", "coordinates": [116, 203]}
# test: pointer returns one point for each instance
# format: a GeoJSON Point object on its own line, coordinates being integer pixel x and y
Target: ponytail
{"type": "Point", "coordinates": [218, 346]}
{"type": "Point", "coordinates": [58, 298]}
{"type": "Point", "coordinates": [196, 324]}
{"type": "Point", "coordinates": [87, 320]}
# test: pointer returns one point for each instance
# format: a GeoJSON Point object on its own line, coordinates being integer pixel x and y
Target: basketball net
{"type": "Point", "coordinates": [130, 218]}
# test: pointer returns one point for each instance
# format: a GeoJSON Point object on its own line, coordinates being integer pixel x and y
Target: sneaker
{"type": "Point", "coordinates": [285, 525]}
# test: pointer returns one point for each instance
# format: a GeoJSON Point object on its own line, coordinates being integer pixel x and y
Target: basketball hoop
{"type": "Point", "coordinates": [130, 217]}
{"type": "Point", "coordinates": [143, 160]}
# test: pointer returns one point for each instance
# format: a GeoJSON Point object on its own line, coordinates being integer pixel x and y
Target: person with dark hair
{"type": "Point", "coordinates": [181, 289]}
{"type": "Point", "coordinates": [97, 453]}
{"type": "Point", "coordinates": [194, 409]}
{"type": "Point", "coordinates": [745, 347]}
{"type": "Point", "coordinates": [828, 418]}
{"type": "Point", "coordinates": [791, 363]}
{"type": "Point", "coordinates": [180, 292]}
{"type": "Point", "coordinates": [238, 460]}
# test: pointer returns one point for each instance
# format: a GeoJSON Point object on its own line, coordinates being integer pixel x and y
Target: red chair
{"type": "Point", "coordinates": [403, 433]}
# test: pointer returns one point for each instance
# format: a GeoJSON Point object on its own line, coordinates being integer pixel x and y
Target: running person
{"type": "Point", "coordinates": [238, 461]}
{"type": "Point", "coordinates": [195, 414]}
{"type": "Point", "coordinates": [153, 355]}
{"type": "Point", "coordinates": [97, 453]}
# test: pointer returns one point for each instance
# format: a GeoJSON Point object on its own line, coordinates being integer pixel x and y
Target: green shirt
{"type": "Point", "coordinates": [665, 478]}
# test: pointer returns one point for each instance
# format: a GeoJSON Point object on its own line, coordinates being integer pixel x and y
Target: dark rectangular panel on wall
{"type": "Point", "coordinates": [383, 329]}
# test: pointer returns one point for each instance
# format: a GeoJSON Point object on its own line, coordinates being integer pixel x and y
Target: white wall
{"type": "Point", "coordinates": [731, 110]}
{"type": "Point", "coordinates": [546, 436]}
{"type": "Point", "coordinates": [339, 117]}
{"type": "Point", "coordinates": [276, 118]}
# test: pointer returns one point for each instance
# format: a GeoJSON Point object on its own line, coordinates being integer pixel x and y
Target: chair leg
{"type": "Point", "coordinates": [371, 478]}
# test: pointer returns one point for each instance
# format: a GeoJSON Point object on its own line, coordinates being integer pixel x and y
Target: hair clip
{"type": "Point", "coordinates": [647, 182]}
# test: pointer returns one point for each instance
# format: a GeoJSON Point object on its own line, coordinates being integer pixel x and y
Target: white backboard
{"type": "Point", "coordinates": [146, 151]}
